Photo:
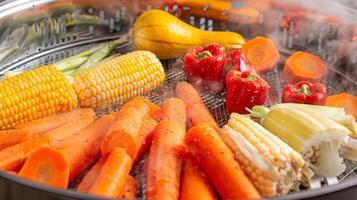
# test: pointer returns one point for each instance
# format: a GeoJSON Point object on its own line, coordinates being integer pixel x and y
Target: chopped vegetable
{"type": "Point", "coordinates": [125, 131]}
{"type": "Point", "coordinates": [155, 110]}
{"type": "Point", "coordinates": [84, 146]}
{"type": "Point", "coordinates": [195, 184]}
{"type": "Point", "coordinates": [205, 65]}
{"type": "Point", "coordinates": [113, 175]}
{"type": "Point", "coordinates": [217, 161]}
{"type": "Point", "coordinates": [44, 124]}
{"type": "Point", "coordinates": [261, 53]}
{"type": "Point", "coordinates": [302, 66]}
{"type": "Point", "coordinates": [145, 137]}
{"type": "Point", "coordinates": [130, 189]}
{"type": "Point", "coordinates": [89, 179]}
{"type": "Point", "coordinates": [196, 109]}
{"type": "Point", "coordinates": [272, 166]}
{"type": "Point", "coordinates": [240, 62]}
{"type": "Point", "coordinates": [245, 90]}
{"type": "Point", "coordinates": [53, 171]}
{"type": "Point", "coordinates": [166, 152]}
{"type": "Point", "coordinates": [345, 100]}
{"type": "Point", "coordinates": [316, 137]}
{"type": "Point", "coordinates": [119, 79]}
{"type": "Point", "coordinates": [305, 92]}
{"type": "Point", "coordinates": [10, 138]}
{"type": "Point", "coordinates": [34, 94]}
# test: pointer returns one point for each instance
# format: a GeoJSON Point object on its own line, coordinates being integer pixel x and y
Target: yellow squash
{"type": "Point", "coordinates": [168, 37]}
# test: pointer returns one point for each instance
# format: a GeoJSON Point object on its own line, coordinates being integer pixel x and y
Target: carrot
{"type": "Point", "coordinates": [88, 180]}
{"type": "Point", "coordinates": [125, 131]}
{"type": "Point", "coordinates": [84, 146]}
{"type": "Point", "coordinates": [195, 184]}
{"type": "Point", "coordinates": [13, 157]}
{"type": "Point", "coordinates": [302, 66]}
{"type": "Point", "coordinates": [174, 109]}
{"type": "Point", "coordinates": [345, 100]}
{"type": "Point", "coordinates": [45, 124]}
{"type": "Point", "coordinates": [53, 171]}
{"type": "Point", "coordinates": [10, 138]}
{"type": "Point", "coordinates": [261, 53]}
{"type": "Point", "coordinates": [197, 112]}
{"type": "Point", "coordinates": [130, 190]}
{"type": "Point", "coordinates": [155, 110]}
{"type": "Point", "coordinates": [165, 158]}
{"type": "Point", "coordinates": [145, 137]}
{"type": "Point", "coordinates": [113, 175]}
{"type": "Point", "coordinates": [216, 160]}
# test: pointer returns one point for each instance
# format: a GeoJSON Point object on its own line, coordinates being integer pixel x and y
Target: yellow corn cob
{"type": "Point", "coordinates": [34, 94]}
{"type": "Point", "coordinates": [273, 166]}
{"type": "Point", "coordinates": [119, 79]}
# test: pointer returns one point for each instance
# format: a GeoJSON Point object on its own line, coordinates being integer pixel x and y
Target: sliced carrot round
{"type": "Point", "coordinates": [48, 166]}
{"type": "Point", "coordinates": [344, 100]}
{"type": "Point", "coordinates": [262, 53]}
{"type": "Point", "coordinates": [304, 66]}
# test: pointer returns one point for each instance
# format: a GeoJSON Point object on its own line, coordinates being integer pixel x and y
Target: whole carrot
{"type": "Point", "coordinates": [53, 171]}
{"type": "Point", "coordinates": [217, 161]}
{"type": "Point", "coordinates": [174, 109]}
{"type": "Point", "coordinates": [46, 124]}
{"type": "Point", "coordinates": [10, 138]}
{"type": "Point", "coordinates": [124, 132]}
{"type": "Point", "coordinates": [113, 175]}
{"type": "Point", "coordinates": [195, 184]}
{"type": "Point", "coordinates": [130, 189]}
{"type": "Point", "coordinates": [197, 112]}
{"type": "Point", "coordinates": [84, 146]}
{"type": "Point", "coordinates": [88, 180]}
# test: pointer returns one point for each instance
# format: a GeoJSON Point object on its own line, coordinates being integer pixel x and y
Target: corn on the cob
{"type": "Point", "coordinates": [33, 94]}
{"type": "Point", "coordinates": [273, 166]}
{"type": "Point", "coordinates": [315, 136]}
{"type": "Point", "coordinates": [119, 79]}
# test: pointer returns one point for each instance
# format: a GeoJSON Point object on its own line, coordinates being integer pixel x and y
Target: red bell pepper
{"type": "Point", "coordinates": [240, 62]}
{"type": "Point", "coordinates": [206, 63]}
{"type": "Point", "coordinates": [305, 92]}
{"type": "Point", "coordinates": [245, 90]}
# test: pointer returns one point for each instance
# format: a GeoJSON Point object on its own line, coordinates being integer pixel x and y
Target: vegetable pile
{"type": "Point", "coordinates": [51, 133]}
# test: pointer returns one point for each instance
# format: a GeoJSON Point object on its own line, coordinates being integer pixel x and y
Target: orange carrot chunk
{"type": "Point", "coordinates": [174, 109]}
{"type": "Point", "coordinates": [84, 146]}
{"type": "Point", "coordinates": [145, 137]}
{"type": "Point", "coordinates": [10, 138]}
{"type": "Point", "coordinates": [195, 184]}
{"type": "Point", "coordinates": [261, 53]}
{"type": "Point", "coordinates": [302, 66]}
{"type": "Point", "coordinates": [53, 171]}
{"type": "Point", "coordinates": [125, 131]}
{"type": "Point", "coordinates": [344, 100]}
{"type": "Point", "coordinates": [197, 111]}
{"type": "Point", "coordinates": [130, 190]}
{"type": "Point", "coordinates": [155, 110]}
{"type": "Point", "coordinates": [113, 175]}
{"type": "Point", "coordinates": [165, 159]}
{"type": "Point", "coordinates": [88, 180]}
{"type": "Point", "coordinates": [217, 161]}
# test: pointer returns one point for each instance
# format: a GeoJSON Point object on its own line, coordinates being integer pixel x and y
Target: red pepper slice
{"type": "Point", "coordinates": [305, 92]}
{"type": "Point", "coordinates": [245, 90]}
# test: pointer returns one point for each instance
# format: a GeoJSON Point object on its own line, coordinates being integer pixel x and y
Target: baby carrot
{"type": "Point", "coordinates": [130, 190]}
{"type": "Point", "coordinates": [124, 132]}
{"type": "Point", "coordinates": [84, 146]}
{"type": "Point", "coordinates": [165, 158]}
{"type": "Point", "coordinates": [113, 175]}
{"type": "Point", "coordinates": [155, 110]}
{"type": "Point", "coordinates": [10, 138]}
{"type": "Point", "coordinates": [261, 53]}
{"type": "Point", "coordinates": [45, 124]}
{"type": "Point", "coordinates": [197, 112]}
{"type": "Point", "coordinates": [217, 161]}
{"type": "Point", "coordinates": [88, 180]}
{"type": "Point", "coordinates": [195, 184]}
{"type": "Point", "coordinates": [145, 137]}
{"type": "Point", "coordinates": [53, 171]}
